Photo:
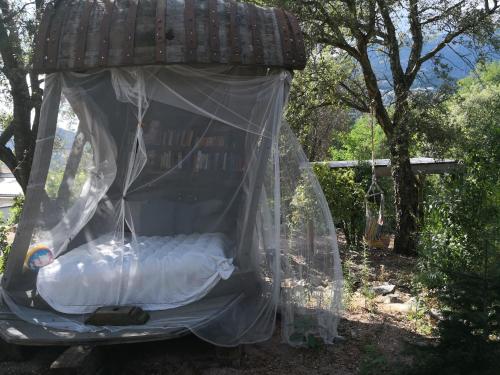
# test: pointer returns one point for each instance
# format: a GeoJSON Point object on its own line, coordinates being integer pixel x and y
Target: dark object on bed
{"type": "Point", "coordinates": [118, 316]}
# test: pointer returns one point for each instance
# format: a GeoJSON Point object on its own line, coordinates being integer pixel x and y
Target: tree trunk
{"type": "Point", "coordinates": [405, 192]}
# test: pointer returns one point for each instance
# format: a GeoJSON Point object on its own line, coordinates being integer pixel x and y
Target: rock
{"type": "Point", "coordinates": [382, 290]}
{"type": "Point", "coordinates": [399, 307]}
{"type": "Point", "coordinates": [393, 298]}
{"type": "Point", "coordinates": [421, 343]}
{"type": "Point", "coordinates": [403, 308]}
{"type": "Point", "coordinates": [435, 314]}
{"type": "Point", "coordinates": [412, 302]}
{"type": "Point", "coordinates": [390, 298]}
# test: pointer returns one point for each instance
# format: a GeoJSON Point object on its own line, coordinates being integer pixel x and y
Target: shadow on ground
{"type": "Point", "coordinates": [190, 355]}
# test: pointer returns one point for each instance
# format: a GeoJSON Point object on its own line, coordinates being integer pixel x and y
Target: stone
{"type": "Point", "coordinates": [403, 308]}
{"type": "Point", "coordinates": [399, 307]}
{"type": "Point", "coordinates": [435, 314]}
{"type": "Point", "coordinates": [393, 298]}
{"type": "Point", "coordinates": [382, 290]}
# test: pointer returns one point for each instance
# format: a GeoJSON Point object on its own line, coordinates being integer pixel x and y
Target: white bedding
{"type": "Point", "coordinates": [156, 273]}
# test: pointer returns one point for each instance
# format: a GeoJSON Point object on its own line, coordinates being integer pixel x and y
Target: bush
{"type": "Point", "coordinates": [460, 252]}
{"type": "Point", "coordinates": [4, 245]}
{"type": "Point", "coordinates": [357, 143]}
{"type": "Point", "coordinates": [16, 210]}
{"type": "Point", "coordinates": [344, 191]}
{"type": "Point", "coordinates": [5, 227]}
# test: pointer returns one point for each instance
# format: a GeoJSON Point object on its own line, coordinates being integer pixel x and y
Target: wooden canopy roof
{"type": "Point", "coordinates": [79, 35]}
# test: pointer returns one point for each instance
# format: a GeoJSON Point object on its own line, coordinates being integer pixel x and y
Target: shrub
{"type": "Point", "coordinates": [344, 191]}
{"type": "Point", "coordinates": [460, 252]}
{"type": "Point", "coordinates": [16, 210]}
{"type": "Point", "coordinates": [5, 227]}
{"type": "Point", "coordinates": [4, 245]}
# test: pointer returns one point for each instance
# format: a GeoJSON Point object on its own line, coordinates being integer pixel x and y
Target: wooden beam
{"type": "Point", "coordinates": [383, 166]}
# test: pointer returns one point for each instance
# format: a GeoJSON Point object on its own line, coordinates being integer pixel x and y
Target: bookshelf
{"type": "Point", "coordinates": [195, 152]}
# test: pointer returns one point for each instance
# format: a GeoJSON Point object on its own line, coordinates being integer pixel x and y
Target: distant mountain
{"type": "Point", "coordinates": [459, 59]}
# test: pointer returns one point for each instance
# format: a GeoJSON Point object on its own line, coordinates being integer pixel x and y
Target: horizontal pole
{"type": "Point", "coordinates": [383, 166]}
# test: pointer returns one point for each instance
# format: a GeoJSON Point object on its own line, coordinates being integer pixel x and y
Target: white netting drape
{"type": "Point", "coordinates": [181, 191]}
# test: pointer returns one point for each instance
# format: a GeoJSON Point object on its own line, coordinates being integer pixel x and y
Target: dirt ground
{"type": "Point", "coordinates": [375, 337]}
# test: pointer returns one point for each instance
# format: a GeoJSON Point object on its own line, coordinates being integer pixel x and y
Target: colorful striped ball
{"type": "Point", "coordinates": [38, 257]}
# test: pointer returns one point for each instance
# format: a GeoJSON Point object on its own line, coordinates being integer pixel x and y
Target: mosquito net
{"type": "Point", "coordinates": [181, 191]}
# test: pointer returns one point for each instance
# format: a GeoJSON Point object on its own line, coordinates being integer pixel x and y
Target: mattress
{"type": "Point", "coordinates": [154, 273]}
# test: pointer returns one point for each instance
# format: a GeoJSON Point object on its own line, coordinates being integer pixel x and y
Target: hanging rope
{"type": "Point", "coordinates": [374, 199]}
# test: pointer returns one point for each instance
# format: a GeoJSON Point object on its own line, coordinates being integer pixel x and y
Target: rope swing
{"type": "Point", "coordinates": [374, 201]}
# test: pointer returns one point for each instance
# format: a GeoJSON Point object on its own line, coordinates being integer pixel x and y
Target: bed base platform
{"type": "Point", "coordinates": [14, 330]}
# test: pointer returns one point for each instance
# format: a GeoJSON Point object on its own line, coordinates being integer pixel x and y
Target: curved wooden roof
{"type": "Point", "coordinates": [84, 34]}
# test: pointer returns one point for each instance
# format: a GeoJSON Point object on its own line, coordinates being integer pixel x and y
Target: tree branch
{"type": "Point", "coordinates": [356, 100]}
{"type": "Point", "coordinates": [15, 70]}
{"type": "Point", "coordinates": [373, 89]}
{"type": "Point", "coordinates": [417, 37]}
{"type": "Point", "coordinates": [393, 46]}
{"type": "Point", "coordinates": [337, 39]}
{"type": "Point", "coordinates": [452, 35]}
{"type": "Point", "coordinates": [443, 14]}
{"type": "Point", "coordinates": [8, 157]}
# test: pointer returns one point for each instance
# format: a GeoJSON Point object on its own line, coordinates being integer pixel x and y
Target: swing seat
{"type": "Point", "coordinates": [375, 220]}
{"type": "Point", "coordinates": [381, 243]}
{"type": "Point", "coordinates": [373, 229]}
{"type": "Point", "coordinates": [374, 238]}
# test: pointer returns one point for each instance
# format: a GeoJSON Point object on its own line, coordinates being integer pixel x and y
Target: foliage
{"type": "Point", "coordinates": [420, 317]}
{"type": "Point", "coordinates": [16, 210]}
{"type": "Point", "coordinates": [4, 245]}
{"type": "Point", "coordinates": [357, 143]}
{"type": "Point", "coordinates": [432, 132]}
{"type": "Point", "coordinates": [53, 183]}
{"type": "Point", "coordinates": [350, 280]}
{"type": "Point", "coordinates": [18, 22]}
{"type": "Point", "coordinates": [57, 173]}
{"type": "Point", "coordinates": [460, 251]}
{"type": "Point", "coordinates": [313, 112]}
{"type": "Point", "coordinates": [5, 227]}
{"type": "Point", "coordinates": [344, 192]}
{"type": "Point", "coordinates": [371, 33]}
